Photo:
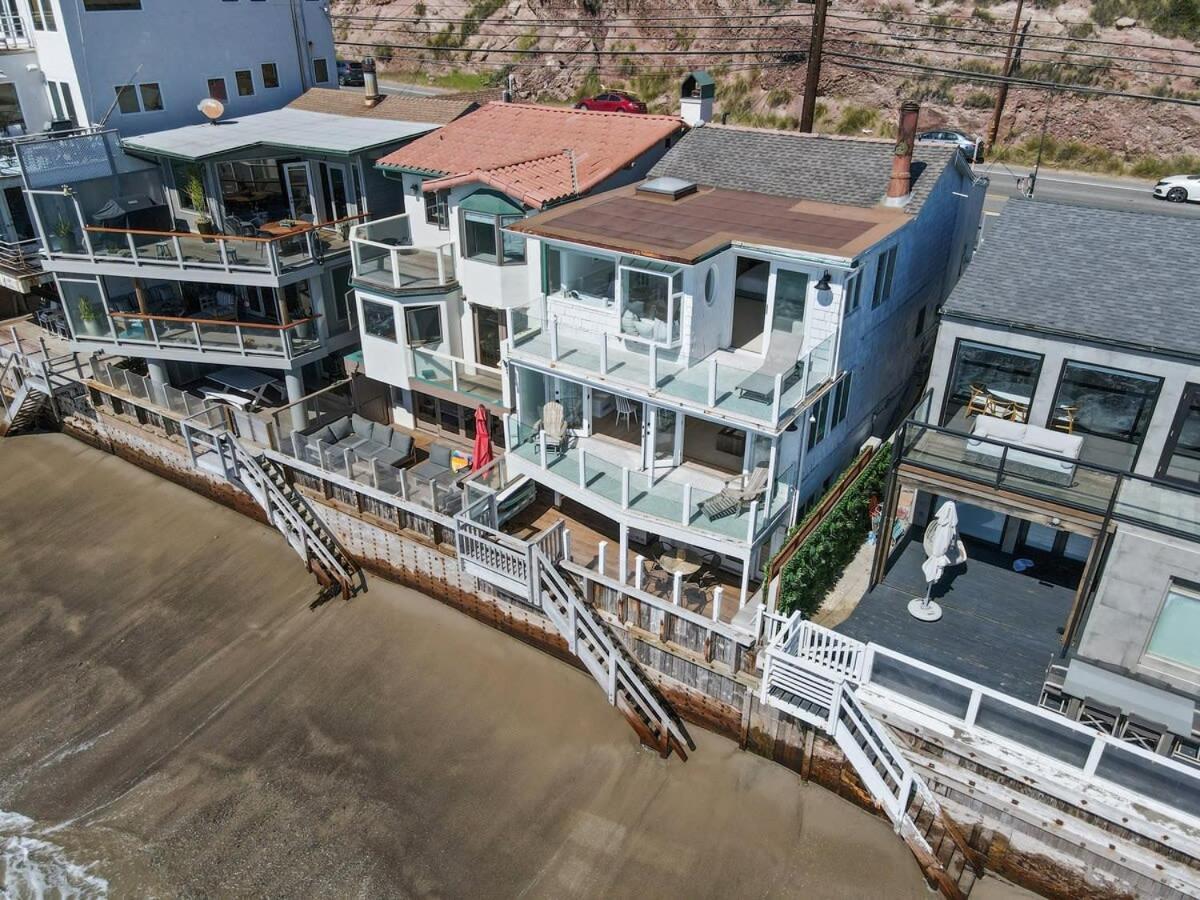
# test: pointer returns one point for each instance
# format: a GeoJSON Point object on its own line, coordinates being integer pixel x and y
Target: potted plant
{"type": "Point", "coordinates": [89, 317]}
{"type": "Point", "coordinates": [194, 189]}
{"type": "Point", "coordinates": [64, 234]}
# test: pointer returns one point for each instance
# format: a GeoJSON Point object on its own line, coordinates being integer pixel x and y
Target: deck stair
{"type": "Point", "coordinates": [812, 673]}
{"type": "Point", "coordinates": [294, 518]}
{"type": "Point", "coordinates": [25, 409]}
{"type": "Point", "coordinates": [530, 570]}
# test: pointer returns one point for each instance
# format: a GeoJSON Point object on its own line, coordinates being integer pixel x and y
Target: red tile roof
{"type": "Point", "coordinates": [537, 154]}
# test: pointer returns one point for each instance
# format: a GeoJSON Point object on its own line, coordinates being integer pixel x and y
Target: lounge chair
{"type": "Point", "coordinates": [783, 356]}
{"type": "Point", "coordinates": [738, 493]}
{"type": "Point", "coordinates": [554, 425]}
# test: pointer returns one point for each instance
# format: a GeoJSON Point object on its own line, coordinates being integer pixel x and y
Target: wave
{"type": "Point", "coordinates": [36, 869]}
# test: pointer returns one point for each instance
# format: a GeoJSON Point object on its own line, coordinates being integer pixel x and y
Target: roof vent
{"type": "Point", "coordinates": [668, 187]}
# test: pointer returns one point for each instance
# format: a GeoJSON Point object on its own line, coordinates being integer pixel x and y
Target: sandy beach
{"type": "Point", "coordinates": [177, 720]}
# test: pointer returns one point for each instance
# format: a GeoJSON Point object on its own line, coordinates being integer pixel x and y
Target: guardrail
{"type": "Point", "coordinates": [248, 339]}
{"type": "Point", "coordinates": [384, 256]}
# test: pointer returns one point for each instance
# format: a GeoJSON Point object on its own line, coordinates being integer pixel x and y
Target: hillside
{"type": "Point", "coordinates": [1155, 51]}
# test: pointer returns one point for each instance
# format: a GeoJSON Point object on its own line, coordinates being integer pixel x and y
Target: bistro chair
{"type": "Point", "coordinates": [980, 402]}
{"type": "Point", "coordinates": [626, 410]}
{"type": "Point", "coordinates": [1064, 418]}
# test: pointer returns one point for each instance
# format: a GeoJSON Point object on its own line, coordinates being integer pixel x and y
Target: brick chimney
{"type": "Point", "coordinates": [371, 95]}
{"type": "Point", "coordinates": [900, 186]}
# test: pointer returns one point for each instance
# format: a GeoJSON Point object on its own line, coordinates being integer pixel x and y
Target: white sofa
{"type": "Point", "coordinates": [1023, 438]}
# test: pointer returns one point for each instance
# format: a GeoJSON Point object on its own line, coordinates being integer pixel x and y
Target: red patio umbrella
{"type": "Point", "coordinates": [483, 439]}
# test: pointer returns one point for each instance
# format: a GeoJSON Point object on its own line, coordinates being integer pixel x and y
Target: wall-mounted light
{"type": "Point", "coordinates": [823, 284]}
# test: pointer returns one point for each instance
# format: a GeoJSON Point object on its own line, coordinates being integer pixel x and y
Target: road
{"type": "Point", "coordinates": [1081, 189]}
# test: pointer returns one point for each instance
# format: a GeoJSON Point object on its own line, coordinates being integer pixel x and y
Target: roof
{"type": "Point", "coordinates": [536, 154]}
{"type": "Point", "coordinates": [292, 129]}
{"type": "Point", "coordinates": [852, 171]}
{"type": "Point", "coordinates": [698, 224]}
{"type": "Point", "coordinates": [1075, 271]}
{"type": "Point", "coordinates": [390, 106]}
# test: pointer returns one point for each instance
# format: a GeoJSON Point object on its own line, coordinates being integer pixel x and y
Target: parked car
{"type": "Point", "coordinates": [1178, 188]}
{"type": "Point", "coordinates": [971, 147]}
{"type": "Point", "coordinates": [350, 72]}
{"type": "Point", "coordinates": [613, 101]}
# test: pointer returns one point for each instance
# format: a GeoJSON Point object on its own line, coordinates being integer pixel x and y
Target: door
{"type": "Point", "coordinates": [1181, 454]}
{"type": "Point", "coordinates": [489, 332]}
{"type": "Point", "coordinates": [660, 447]}
{"type": "Point", "coordinates": [335, 185]}
{"type": "Point", "coordinates": [299, 189]}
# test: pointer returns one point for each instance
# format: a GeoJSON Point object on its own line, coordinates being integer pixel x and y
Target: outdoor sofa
{"type": "Point", "coordinates": [368, 439]}
{"type": "Point", "coordinates": [1056, 467]}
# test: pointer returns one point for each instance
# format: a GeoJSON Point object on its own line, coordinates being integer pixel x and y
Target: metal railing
{"type": "Point", "coordinates": [384, 256]}
{"type": "Point", "coordinates": [21, 257]}
{"type": "Point", "coordinates": [1098, 490]}
{"type": "Point", "coordinates": [248, 339]}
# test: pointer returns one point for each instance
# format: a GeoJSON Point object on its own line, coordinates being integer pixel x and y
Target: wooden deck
{"type": "Point", "coordinates": [588, 529]}
{"type": "Point", "coordinates": [999, 627]}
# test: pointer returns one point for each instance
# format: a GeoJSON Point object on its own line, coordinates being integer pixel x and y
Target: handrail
{"type": "Point", "coordinates": [229, 322]}
{"type": "Point", "coordinates": [437, 354]}
{"type": "Point", "coordinates": [219, 236]}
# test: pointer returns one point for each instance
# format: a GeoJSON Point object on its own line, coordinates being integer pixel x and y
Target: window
{"type": "Point", "coordinates": [56, 104]}
{"type": "Point", "coordinates": [1176, 635]}
{"type": "Point", "coordinates": [245, 82]}
{"type": "Point", "coordinates": [841, 401]}
{"type": "Point", "coordinates": [920, 322]}
{"type": "Point", "coordinates": [791, 293]}
{"type": "Point", "coordinates": [511, 245]}
{"type": "Point", "coordinates": [151, 96]}
{"type": "Point", "coordinates": [710, 286]}
{"type": "Point", "coordinates": [853, 294]}
{"type": "Point", "coordinates": [1110, 406]}
{"type": "Point", "coordinates": [479, 237]}
{"type": "Point", "coordinates": [320, 71]}
{"type": "Point", "coordinates": [424, 325]}
{"type": "Point", "coordinates": [61, 101]}
{"type": "Point", "coordinates": [98, 5]}
{"type": "Point", "coordinates": [10, 109]}
{"type": "Point", "coordinates": [885, 268]}
{"type": "Point", "coordinates": [981, 368]}
{"type": "Point", "coordinates": [818, 421]}
{"type": "Point", "coordinates": [586, 278]}
{"type": "Point", "coordinates": [127, 99]}
{"type": "Point", "coordinates": [1181, 454]}
{"type": "Point", "coordinates": [437, 210]}
{"type": "Point", "coordinates": [42, 13]}
{"type": "Point", "coordinates": [270, 75]}
{"type": "Point", "coordinates": [189, 185]}
{"type": "Point", "coordinates": [216, 89]}
{"type": "Point", "coordinates": [379, 320]}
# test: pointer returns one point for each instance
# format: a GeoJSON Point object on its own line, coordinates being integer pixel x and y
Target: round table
{"type": "Point", "coordinates": [681, 561]}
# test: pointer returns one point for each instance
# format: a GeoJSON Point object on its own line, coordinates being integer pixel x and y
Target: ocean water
{"type": "Point", "coordinates": [32, 868]}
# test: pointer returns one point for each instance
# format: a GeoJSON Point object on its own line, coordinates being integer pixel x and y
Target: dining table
{"type": "Point", "coordinates": [278, 229]}
{"type": "Point", "coordinates": [680, 560]}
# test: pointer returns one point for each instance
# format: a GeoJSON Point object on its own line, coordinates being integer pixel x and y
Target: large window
{"type": "Point", "coordinates": [1176, 635]}
{"type": "Point", "coordinates": [480, 240]}
{"type": "Point", "coordinates": [379, 320]}
{"type": "Point", "coordinates": [651, 300]}
{"type": "Point", "coordinates": [1111, 407]}
{"type": "Point", "coordinates": [585, 277]}
{"type": "Point", "coordinates": [424, 325]}
{"type": "Point", "coordinates": [1181, 456]}
{"type": "Point", "coordinates": [791, 293]}
{"type": "Point", "coordinates": [981, 371]}
{"type": "Point", "coordinates": [42, 13]}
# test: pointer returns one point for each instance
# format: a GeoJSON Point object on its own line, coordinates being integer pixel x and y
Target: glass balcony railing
{"type": "Point", "coordinates": [762, 396]}
{"type": "Point", "coordinates": [674, 500]}
{"type": "Point", "coordinates": [384, 257]}
{"type": "Point", "coordinates": [1093, 489]}
{"type": "Point", "coordinates": [248, 339]}
{"type": "Point", "coordinates": [478, 382]}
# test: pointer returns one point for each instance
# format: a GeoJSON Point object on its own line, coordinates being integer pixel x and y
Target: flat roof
{"type": "Point", "coordinates": [290, 129]}
{"type": "Point", "coordinates": [696, 225]}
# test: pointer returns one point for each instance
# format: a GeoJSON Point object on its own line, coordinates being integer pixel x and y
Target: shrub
{"type": "Point", "coordinates": [419, 10]}
{"type": "Point", "coordinates": [384, 51]}
{"type": "Point", "coordinates": [978, 100]}
{"type": "Point", "coordinates": [816, 567]}
{"type": "Point", "coordinates": [779, 97]}
{"type": "Point", "coordinates": [855, 118]}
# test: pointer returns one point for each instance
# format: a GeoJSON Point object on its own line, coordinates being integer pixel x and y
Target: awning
{"type": "Point", "coordinates": [492, 203]}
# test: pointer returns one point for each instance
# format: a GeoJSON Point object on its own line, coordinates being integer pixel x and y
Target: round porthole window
{"type": "Point", "coordinates": [710, 286]}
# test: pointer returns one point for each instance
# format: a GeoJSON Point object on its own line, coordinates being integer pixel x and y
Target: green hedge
{"type": "Point", "coordinates": [818, 564]}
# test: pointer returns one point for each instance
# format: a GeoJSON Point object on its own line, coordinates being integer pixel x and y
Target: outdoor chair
{"type": "Point", "coordinates": [626, 410]}
{"type": "Point", "coordinates": [738, 493]}
{"type": "Point", "coordinates": [1101, 716]}
{"type": "Point", "coordinates": [980, 403]}
{"type": "Point", "coordinates": [1064, 418]}
{"type": "Point", "coordinates": [236, 227]}
{"type": "Point", "coordinates": [783, 358]}
{"type": "Point", "coordinates": [554, 426]}
{"type": "Point", "coordinates": [1142, 733]}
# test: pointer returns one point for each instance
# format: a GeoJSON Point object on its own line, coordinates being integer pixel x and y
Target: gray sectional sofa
{"type": "Point", "coordinates": [366, 438]}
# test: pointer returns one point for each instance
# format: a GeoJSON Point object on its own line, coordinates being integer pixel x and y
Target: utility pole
{"type": "Point", "coordinates": [1037, 165]}
{"type": "Point", "coordinates": [812, 71]}
{"type": "Point", "coordinates": [1002, 93]}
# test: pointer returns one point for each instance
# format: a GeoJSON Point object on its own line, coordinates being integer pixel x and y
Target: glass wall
{"type": "Point", "coordinates": [578, 276]}
{"type": "Point", "coordinates": [791, 293]}
{"type": "Point", "coordinates": [989, 380]}
{"type": "Point", "coordinates": [1181, 458]}
{"type": "Point", "coordinates": [651, 301]}
{"type": "Point", "coordinates": [1111, 407]}
{"type": "Point", "coordinates": [84, 308]}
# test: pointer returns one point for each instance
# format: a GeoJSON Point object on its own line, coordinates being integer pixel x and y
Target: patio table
{"type": "Point", "coordinates": [246, 380]}
{"type": "Point", "coordinates": [681, 561]}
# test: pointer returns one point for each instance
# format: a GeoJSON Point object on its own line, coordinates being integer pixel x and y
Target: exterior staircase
{"type": "Point", "coordinates": [530, 570]}
{"type": "Point", "coordinates": [811, 672]}
{"type": "Point", "coordinates": [25, 409]}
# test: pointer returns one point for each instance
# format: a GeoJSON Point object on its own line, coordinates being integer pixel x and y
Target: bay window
{"type": "Point", "coordinates": [651, 301]}
{"type": "Point", "coordinates": [485, 214]}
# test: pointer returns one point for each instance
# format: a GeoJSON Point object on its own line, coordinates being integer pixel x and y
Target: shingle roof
{"type": "Point", "coordinates": [1092, 273]}
{"type": "Point", "coordinates": [852, 171]}
{"type": "Point", "coordinates": [437, 110]}
{"type": "Point", "coordinates": [537, 154]}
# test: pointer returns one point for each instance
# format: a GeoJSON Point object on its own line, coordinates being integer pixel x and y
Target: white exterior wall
{"type": "Point", "coordinates": [23, 70]}
{"type": "Point", "coordinates": [180, 44]}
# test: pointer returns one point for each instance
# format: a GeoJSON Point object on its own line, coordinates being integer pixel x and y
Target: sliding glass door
{"type": "Point", "coordinates": [1181, 455]}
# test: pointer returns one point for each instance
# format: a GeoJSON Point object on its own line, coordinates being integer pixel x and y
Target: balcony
{"type": "Point", "coordinates": [385, 258]}
{"type": "Point", "coordinates": [470, 382]}
{"type": "Point", "coordinates": [643, 367]}
{"type": "Point", "coordinates": [1093, 490]}
{"type": "Point", "coordinates": [672, 499]}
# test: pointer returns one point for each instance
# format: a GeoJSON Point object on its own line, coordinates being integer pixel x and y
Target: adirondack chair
{"type": "Point", "coordinates": [736, 494]}
{"type": "Point", "coordinates": [554, 426]}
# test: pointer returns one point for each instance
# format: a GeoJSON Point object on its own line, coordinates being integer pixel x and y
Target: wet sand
{"type": "Point", "coordinates": [175, 714]}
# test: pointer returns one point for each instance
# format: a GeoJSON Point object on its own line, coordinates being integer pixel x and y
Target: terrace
{"type": "Point", "coordinates": [385, 258]}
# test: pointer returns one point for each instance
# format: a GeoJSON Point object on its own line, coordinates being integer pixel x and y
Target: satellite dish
{"type": "Point", "coordinates": [212, 108]}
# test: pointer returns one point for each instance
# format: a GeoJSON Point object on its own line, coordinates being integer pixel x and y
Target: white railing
{"type": "Point", "coordinates": [383, 255]}
{"type": "Point", "coordinates": [453, 373]}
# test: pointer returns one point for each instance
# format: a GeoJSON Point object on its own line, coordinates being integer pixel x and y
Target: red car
{"type": "Point", "coordinates": [613, 101]}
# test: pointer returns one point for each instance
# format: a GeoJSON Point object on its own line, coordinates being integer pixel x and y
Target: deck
{"type": "Point", "coordinates": [999, 627]}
